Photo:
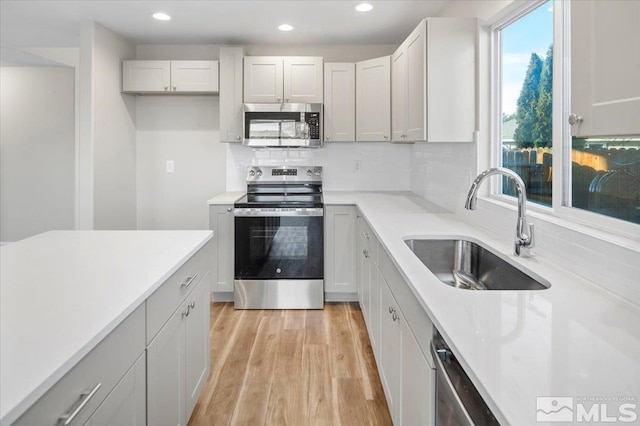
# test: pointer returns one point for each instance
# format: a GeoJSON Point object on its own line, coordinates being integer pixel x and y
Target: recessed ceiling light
{"type": "Point", "coordinates": [160, 16]}
{"type": "Point", "coordinates": [285, 27]}
{"type": "Point", "coordinates": [364, 7]}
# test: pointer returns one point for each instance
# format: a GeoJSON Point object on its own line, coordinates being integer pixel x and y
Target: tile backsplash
{"type": "Point", "coordinates": [347, 166]}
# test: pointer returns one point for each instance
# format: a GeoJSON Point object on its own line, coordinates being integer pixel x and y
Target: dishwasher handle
{"type": "Point", "coordinates": [444, 386]}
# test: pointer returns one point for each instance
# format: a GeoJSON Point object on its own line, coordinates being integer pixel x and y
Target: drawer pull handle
{"type": "Point", "coordinates": [189, 280]}
{"type": "Point", "coordinates": [67, 419]}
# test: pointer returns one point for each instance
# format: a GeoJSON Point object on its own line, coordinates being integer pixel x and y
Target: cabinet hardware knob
{"type": "Point", "coordinates": [366, 253]}
{"type": "Point", "coordinates": [67, 419]}
{"type": "Point", "coordinates": [229, 209]}
{"type": "Point", "coordinates": [390, 309]}
{"type": "Point", "coordinates": [166, 87]}
{"type": "Point", "coordinates": [192, 305]}
{"type": "Point", "coordinates": [237, 138]}
{"type": "Point", "coordinates": [186, 313]}
{"type": "Point", "coordinates": [327, 138]}
{"type": "Point", "coordinates": [575, 118]}
{"type": "Point", "coordinates": [386, 137]}
{"type": "Point", "coordinates": [174, 88]}
{"type": "Point", "coordinates": [278, 99]}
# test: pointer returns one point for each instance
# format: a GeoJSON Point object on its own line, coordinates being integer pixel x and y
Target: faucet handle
{"type": "Point", "coordinates": [532, 242]}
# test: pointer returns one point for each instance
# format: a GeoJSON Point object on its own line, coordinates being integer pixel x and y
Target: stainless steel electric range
{"type": "Point", "coordinates": [279, 239]}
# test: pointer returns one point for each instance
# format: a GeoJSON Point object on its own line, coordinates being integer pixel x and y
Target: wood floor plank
{"type": "Point", "coordinates": [317, 379]}
{"type": "Point", "coordinates": [342, 351]}
{"type": "Point", "coordinates": [287, 396]}
{"type": "Point", "coordinates": [251, 408]}
{"type": "Point", "coordinates": [291, 367]}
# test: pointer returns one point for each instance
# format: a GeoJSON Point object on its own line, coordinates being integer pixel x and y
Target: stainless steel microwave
{"type": "Point", "coordinates": [283, 125]}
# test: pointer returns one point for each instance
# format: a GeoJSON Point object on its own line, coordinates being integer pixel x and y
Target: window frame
{"type": "Point", "coordinates": [560, 211]}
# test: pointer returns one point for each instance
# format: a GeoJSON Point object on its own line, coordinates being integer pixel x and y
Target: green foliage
{"type": "Point", "coordinates": [543, 126]}
{"type": "Point", "coordinates": [527, 104]}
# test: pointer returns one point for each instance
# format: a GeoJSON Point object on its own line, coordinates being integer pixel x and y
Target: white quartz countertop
{"type": "Point", "coordinates": [226, 198]}
{"type": "Point", "coordinates": [62, 292]}
{"type": "Point", "coordinates": [572, 340]}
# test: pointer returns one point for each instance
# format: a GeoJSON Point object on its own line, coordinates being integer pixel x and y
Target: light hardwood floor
{"type": "Point", "coordinates": [291, 367]}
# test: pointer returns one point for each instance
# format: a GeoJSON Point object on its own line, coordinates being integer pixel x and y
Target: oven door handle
{"type": "Point", "coordinates": [445, 385]}
{"type": "Point", "coordinates": [244, 212]}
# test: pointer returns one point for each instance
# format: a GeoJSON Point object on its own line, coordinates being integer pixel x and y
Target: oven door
{"type": "Point", "coordinates": [279, 244]}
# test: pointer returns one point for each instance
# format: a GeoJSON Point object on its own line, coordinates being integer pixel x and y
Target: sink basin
{"type": "Point", "coordinates": [468, 265]}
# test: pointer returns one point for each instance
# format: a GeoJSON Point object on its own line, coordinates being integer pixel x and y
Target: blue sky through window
{"type": "Point", "coordinates": [531, 33]}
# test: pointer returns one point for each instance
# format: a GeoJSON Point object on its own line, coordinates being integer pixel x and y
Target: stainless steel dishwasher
{"type": "Point", "coordinates": [457, 400]}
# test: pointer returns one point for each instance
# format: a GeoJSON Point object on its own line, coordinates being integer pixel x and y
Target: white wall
{"type": "Point", "coordinates": [183, 129]}
{"type": "Point", "coordinates": [107, 149]}
{"type": "Point", "coordinates": [37, 139]}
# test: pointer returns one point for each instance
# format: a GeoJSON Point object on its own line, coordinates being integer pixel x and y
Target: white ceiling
{"type": "Point", "coordinates": [56, 23]}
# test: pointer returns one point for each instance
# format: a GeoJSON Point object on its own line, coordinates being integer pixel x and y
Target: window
{"type": "Point", "coordinates": [526, 71]}
{"type": "Point", "coordinates": [597, 176]}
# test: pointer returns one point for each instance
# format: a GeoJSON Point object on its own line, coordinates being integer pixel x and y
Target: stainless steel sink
{"type": "Point", "coordinates": [467, 265]}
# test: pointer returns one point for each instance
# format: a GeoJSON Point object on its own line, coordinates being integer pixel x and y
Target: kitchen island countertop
{"type": "Point", "coordinates": [62, 292]}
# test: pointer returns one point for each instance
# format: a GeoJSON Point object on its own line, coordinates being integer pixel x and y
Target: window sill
{"type": "Point", "coordinates": [624, 238]}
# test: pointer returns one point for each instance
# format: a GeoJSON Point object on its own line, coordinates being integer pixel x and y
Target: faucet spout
{"type": "Point", "coordinates": [524, 230]}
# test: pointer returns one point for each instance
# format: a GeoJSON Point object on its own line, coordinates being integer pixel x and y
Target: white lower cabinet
{"type": "Point", "coordinates": [340, 249]}
{"type": "Point", "coordinates": [177, 363]}
{"type": "Point", "coordinates": [126, 404]}
{"type": "Point", "coordinates": [221, 222]}
{"type": "Point", "coordinates": [417, 378]}
{"type": "Point", "coordinates": [387, 304]}
{"type": "Point", "coordinates": [390, 349]}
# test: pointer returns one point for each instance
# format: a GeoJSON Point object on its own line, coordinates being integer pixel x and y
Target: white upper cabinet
{"type": "Point", "coordinates": [146, 76]}
{"type": "Point", "coordinates": [263, 79]}
{"type": "Point", "coordinates": [303, 80]}
{"type": "Point", "coordinates": [373, 100]}
{"type": "Point", "coordinates": [194, 76]}
{"type": "Point", "coordinates": [170, 77]}
{"type": "Point", "coordinates": [340, 102]}
{"type": "Point", "coordinates": [275, 79]}
{"type": "Point", "coordinates": [231, 70]}
{"type": "Point", "coordinates": [434, 82]}
{"type": "Point", "coordinates": [605, 68]}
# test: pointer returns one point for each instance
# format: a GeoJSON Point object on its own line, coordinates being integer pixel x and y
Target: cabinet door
{"type": "Point", "coordinates": [165, 374]}
{"type": "Point", "coordinates": [399, 94]}
{"type": "Point", "coordinates": [451, 79]}
{"type": "Point", "coordinates": [340, 249]}
{"type": "Point", "coordinates": [263, 79]}
{"type": "Point", "coordinates": [197, 356]}
{"type": "Point", "coordinates": [146, 76]}
{"type": "Point", "coordinates": [126, 404]}
{"type": "Point", "coordinates": [416, 94]}
{"type": "Point", "coordinates": [605, 67]}
{"type": "Point", "coordinates": [221, 221]}
{"type": "Point", "coordinates": [303, 76]}
{"type": "Point", "coordinates": [390, 341]}
{"type": "Point", "coordinates": [194, 76]}
{"type": "Point", "coordinates": [417, 395]}
{"type": "Point", "coordinates": [340, 102]}
{"type": "Point", "coordinates": [231, 94]}
{"type": "Point", "coordinates": [373, 100]}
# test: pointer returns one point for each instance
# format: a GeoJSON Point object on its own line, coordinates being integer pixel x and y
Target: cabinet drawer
{"type": "Point", "coordinates": [368, 239]}
{"type": "Point", "coordinates": [105, 365]}
{"type": "Point", "coordinates": [166, 299]}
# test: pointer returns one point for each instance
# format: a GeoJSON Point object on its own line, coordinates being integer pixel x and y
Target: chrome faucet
{"type": "Point", "coordinates": [524, 231]}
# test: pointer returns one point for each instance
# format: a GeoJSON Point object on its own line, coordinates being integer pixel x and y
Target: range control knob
{"type": "Point", "coordinates": [259, 173]}
{"type": "Point", "coordinates": [309, 172]}
{"type": "Point", "coordinates": [252, 173]}
{"type": "Point", "coordinates": [278, 270]}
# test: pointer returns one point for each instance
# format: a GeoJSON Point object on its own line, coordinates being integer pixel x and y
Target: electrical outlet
{"type": "Point", "coordinates": [171, 166]}
{"type": "Point", "coordinates": [357, 166]}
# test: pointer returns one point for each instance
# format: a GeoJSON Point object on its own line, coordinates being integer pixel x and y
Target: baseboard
{"type": "Point", "coordinates": [222, 296]}
{"type": "Point", "coordinates": [341, 297]}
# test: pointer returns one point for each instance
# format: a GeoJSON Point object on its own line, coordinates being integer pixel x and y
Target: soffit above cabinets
{"type": "Point", "coordinates": [57, 23]}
